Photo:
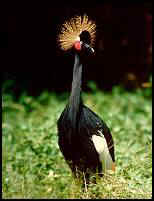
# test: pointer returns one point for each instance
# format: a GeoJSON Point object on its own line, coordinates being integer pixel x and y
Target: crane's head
{"type": "Point", "coordinates": [83, 42]}
{"type": "Point", "coordinates": [78, 33]}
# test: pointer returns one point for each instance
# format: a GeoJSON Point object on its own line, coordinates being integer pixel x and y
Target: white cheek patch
{"type": "Point", "coordinates": [103, 151]}
{"type": "Point", "coordinates": [77, 38]}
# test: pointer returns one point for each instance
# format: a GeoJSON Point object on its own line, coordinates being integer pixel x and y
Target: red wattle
{"type": "Point", "coordinates": [77, 45]}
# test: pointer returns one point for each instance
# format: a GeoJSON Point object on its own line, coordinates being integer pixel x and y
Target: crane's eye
{"type": "Point", "coordinates": [85, 37]}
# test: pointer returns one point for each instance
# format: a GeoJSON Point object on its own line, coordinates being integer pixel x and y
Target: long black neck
{"type": "Point", "coordinates": [75, 97]}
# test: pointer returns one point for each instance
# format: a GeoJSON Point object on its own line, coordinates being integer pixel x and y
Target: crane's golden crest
{"type": "Point", "coordinates": [71, 30]}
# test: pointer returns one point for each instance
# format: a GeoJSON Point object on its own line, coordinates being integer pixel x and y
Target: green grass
{"type": "Point", "coordinates": [33, 166]}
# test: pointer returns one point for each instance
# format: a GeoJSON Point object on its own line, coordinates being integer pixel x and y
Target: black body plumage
{"type": "Point", "coordinates": [76, 126]}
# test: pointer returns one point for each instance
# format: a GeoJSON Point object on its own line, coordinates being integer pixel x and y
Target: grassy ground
{"type": "Point", "coordinates": [33, 166]}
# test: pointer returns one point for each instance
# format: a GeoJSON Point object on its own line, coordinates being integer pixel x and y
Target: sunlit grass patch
{"type": "Point", "coordinates": [33, 166]}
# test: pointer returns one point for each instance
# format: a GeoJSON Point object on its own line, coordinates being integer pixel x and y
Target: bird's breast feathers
{"type": "Point", "coordinates": [102, 149]}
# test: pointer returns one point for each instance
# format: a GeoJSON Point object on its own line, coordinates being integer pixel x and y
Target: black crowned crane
{"type": "Point", "coordinates": [84, 139]}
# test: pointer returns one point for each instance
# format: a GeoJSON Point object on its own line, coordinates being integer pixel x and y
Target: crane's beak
{"type": "Point", "coordinates": [90, 49]}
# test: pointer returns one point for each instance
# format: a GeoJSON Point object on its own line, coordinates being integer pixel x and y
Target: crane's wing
{"type": "Point", "coordinates": [96, 128]}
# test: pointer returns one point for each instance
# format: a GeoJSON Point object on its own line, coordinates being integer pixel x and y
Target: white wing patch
{"type": "Point", "coordinates": [103, 151]}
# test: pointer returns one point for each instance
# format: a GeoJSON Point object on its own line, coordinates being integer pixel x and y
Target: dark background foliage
{"type": "Point", "coordinates": [33, 61]}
